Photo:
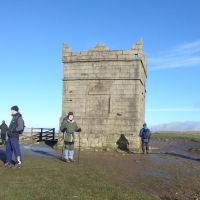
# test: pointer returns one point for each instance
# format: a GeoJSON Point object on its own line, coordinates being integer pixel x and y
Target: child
{"type": "Point", "coordinates": [68, 127]}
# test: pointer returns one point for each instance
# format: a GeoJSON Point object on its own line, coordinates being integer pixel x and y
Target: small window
{"type": "Point", "coordinates": [136, 56]}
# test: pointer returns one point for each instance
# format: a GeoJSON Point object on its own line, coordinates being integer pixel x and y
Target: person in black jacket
{"type": "Point", "coordinates": [12, 145]}
{"type": "Point", "coordinates": [4, 129]}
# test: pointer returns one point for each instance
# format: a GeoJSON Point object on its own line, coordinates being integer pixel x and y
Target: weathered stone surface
{"type": "Point", "coordinates": [106, 91]}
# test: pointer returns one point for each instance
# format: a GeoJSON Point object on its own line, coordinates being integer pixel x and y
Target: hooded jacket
{"type": "Point", "coordinates": [16, 125]}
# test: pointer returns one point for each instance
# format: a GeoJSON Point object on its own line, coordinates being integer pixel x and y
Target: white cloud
{"type": "Point", "coordinates": [185, 55]}
{"type": "Point", "coordinates": [183, 109]}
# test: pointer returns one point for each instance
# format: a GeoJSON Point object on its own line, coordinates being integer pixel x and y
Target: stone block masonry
{"type": "Point", "coordinates": [106, 91]}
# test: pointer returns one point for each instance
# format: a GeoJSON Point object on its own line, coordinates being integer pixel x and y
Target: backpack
{"type": "Point", "coordinates": [146, 134]}
{"type": "Point", "coordinates": [21, 131]}
{"type": "Point", "coordinates": [63, 126]}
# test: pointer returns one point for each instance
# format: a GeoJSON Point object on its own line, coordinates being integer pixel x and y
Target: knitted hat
{"type": "Point", "coordinates": [70, 113]}
{"type": "Point", "coordinates": [15, 108]}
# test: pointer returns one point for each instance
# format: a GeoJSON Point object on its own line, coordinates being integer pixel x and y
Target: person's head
{"type": "Point", "coordinates": [3, 122]}
{"type": "Point", "coordinates": [122, 136]}
{"type": "Point", "coordinates": [145, 125]}
{"type": "Point", "coordinates": [14, 110]}
{"type": "Point", "coordinates": [70, 116]}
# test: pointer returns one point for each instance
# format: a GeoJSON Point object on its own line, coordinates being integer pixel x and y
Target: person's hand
{"type": "Point", "coordinates": [78, 130]}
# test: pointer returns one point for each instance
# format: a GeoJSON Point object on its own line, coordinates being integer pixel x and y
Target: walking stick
{"type": "Point", "coordinates": [62, 152]}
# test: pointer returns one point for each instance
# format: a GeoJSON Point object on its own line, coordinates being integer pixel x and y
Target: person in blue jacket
{"type": "Point", "coordinates": [145, 135]}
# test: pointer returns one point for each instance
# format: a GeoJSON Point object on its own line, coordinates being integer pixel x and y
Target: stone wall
{"type": "Point", "coordinates": [106, 91]}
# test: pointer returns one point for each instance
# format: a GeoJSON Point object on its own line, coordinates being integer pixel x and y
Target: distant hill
{"type": "Point", "coordinates": [178, 126]}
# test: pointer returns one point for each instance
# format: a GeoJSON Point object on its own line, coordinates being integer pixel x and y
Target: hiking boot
{"type": "Point", "coordinates": [66, 160]}
{"type": "Point", "coordinates": [71, 160]}
{"type": "Point", "coordinates": [8, 165]}
{"type": "Point", "coordinates": [17, 166]}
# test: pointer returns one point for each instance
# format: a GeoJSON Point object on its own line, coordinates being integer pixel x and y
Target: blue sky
{"type": "Point", "coordinates": [32, 33]}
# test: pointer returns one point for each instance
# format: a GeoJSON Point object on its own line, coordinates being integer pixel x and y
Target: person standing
{"type": "Point", "coordinates": [145, 136]}
{"type": "Point", "coordinates": [4, 129]}
{"type": "Point", "coordinates": [16, 127]}
{"type": "Point", "coordinates": [68, 127]}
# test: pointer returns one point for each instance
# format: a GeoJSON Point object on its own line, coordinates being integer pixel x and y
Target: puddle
{"type": "Point", "coordinates": [43, 151]}
{"type": "Point", "coordinates": [34, 150]}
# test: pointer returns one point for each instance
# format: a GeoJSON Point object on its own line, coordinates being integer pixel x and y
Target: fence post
{"type": "Point", "coordinates": [41, 132]}
{"type": "Point", "coordinates": [53, 134]}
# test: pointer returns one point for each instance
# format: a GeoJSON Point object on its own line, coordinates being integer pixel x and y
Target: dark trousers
{"type": "Point", "coordinates": [69, 145]}
{"type": "Point", "coordinates": [145, 147]}
{"type": "Point", "coordinates": [12, 146]}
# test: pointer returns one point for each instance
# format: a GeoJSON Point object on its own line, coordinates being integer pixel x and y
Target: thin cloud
{"type": "Point", "coordinates": [184, 109]}
{"type": "Point", "coordinates": [185, 55]}
{"type": "Point", "coordinates": [177, 126]}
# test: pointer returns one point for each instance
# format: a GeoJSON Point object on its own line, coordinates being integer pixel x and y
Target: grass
{"type": "Point", "coordinates": [46, 179]}
{"type": "Point", "coordinates": [189, 135]}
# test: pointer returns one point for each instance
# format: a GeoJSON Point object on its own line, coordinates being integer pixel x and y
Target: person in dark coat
{"type": "Point", "coordinates": [4, 129]}
{"type": "Point", "coordinates": [12, 145]}
{"type": "Point", "coordinates": [145, 136]}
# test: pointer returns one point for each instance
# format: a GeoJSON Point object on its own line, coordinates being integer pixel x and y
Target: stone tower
{"type": "Point", "coordinates": [106, 91]}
